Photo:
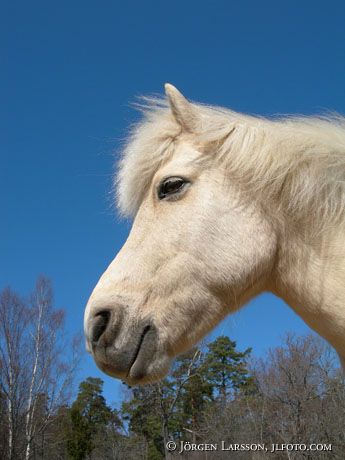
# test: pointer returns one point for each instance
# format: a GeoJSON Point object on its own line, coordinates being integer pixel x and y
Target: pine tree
{"type": "Point", "coordinates": [226, 367]}
{"type": "Point", "coordinates": [89, 415]}
{"type": "Point", "coordinates": [143, 413]}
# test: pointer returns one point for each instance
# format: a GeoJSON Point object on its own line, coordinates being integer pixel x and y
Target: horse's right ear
{"type": "Point", "coordinates": [182, 110]}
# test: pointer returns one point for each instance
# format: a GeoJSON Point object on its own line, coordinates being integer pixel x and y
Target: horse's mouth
{"type": "Point", "coordinates": [137, 364]}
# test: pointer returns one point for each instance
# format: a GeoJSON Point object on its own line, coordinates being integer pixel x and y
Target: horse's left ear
{"type": "Point", "coordinates": [182, 110]}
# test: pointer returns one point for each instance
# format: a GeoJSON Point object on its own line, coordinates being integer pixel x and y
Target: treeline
{"type": "Point", "coordinates": [214, 394]}
{"type": "Point", "coordinates": [219, 395]}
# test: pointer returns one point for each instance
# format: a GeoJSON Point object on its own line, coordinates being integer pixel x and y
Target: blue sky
{"type": "Point", "coordinates": [69, 71]}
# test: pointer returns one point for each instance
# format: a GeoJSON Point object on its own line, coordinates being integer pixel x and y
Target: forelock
{"type": "Point", "coordinates": [148, 145]}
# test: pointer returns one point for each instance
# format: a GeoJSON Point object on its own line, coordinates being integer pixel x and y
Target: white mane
{"type": "Point", "coordinates": [297, 161]}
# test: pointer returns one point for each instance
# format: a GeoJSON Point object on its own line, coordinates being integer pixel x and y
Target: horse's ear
{"type": "Point", "coordinates": [182, 110]}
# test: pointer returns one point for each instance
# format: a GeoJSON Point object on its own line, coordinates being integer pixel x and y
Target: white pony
{"type": "Point", "coordinates": [225, 206]}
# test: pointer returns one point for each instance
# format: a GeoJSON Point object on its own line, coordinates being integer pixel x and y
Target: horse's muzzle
{"type": "Point", "coordinates": [120, 348]}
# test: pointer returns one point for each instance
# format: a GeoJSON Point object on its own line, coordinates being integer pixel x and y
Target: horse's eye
{"type": "Point", "coordinates": [170, 186]}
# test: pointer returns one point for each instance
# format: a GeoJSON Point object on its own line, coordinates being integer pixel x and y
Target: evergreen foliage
{"type": "Point", "coordinates": [89, 415]}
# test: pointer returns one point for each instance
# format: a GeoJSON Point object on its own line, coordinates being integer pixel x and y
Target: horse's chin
{"type": "Point", "coordinates": [141, 371]}
{"type": "Point", "coordinates": [156, 370]}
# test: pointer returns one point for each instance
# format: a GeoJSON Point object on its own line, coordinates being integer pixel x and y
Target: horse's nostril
{"type": "Point", "coordinates": [100, 324]}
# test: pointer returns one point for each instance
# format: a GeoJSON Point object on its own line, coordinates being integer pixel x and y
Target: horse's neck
{"type": "Point", "coordinates": [311, 279]}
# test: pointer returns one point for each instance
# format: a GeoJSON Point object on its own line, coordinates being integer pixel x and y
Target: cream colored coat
{"type": "Point", "coordinates": [263, 209]}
